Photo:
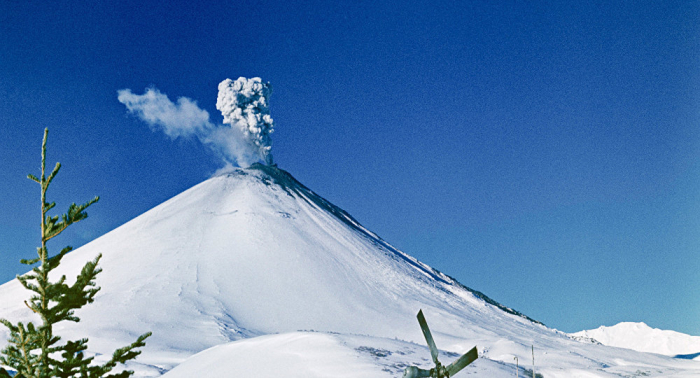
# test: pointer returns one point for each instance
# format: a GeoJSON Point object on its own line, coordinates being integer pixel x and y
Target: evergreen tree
{"type": "Point", "coordinates": [34, 351]}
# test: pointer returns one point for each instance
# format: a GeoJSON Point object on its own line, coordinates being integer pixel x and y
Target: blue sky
{"type": "Point", "coordinates": [546, 154]}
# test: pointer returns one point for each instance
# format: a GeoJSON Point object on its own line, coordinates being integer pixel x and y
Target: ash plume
{"type": "Point", "coordinates": [241, 140]}
{"type": "Point", "coordinates": [244, 104]}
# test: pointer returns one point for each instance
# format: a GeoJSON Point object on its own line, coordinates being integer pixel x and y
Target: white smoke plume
{"type": "Point", "coordinates": [242, 140]}
{"type": "Point", "coordinates": [176, 120]}
{"type": "Point", "coordinates": [244, 104]}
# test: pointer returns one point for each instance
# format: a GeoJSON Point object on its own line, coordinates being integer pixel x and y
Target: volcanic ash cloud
{"type": "Point", "coordinates": [241, 140]}
{"type": "Point", "coordinates": [244, 105]}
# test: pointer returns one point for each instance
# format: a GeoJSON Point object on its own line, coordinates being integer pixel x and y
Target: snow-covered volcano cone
{"type": "Point", "coordinates": [249, 253]}
{"type": "Point", "coordinates": [254, 252]}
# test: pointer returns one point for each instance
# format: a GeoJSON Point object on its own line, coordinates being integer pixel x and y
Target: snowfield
{"type": "Point", "coordinates": [642, 338]}
{"type": "Point", "coordinates": [311, 355]}
{"type": "Point", "coordinates": [252, 274]}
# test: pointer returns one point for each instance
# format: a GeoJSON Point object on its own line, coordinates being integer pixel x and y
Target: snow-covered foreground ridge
{"type": "Point", "coordinates": [253, 257]}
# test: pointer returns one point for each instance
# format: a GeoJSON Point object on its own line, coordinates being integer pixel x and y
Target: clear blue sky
{"type": "Point", "coordinates": [546, 154]}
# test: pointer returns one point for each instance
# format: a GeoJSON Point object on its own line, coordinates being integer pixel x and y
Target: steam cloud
{"type": "Point", "coordinates": [243, 103]}
{"type": "Point", "coordinates": [242, 139]}
{"type": "Point", "coordinates": [176, 120]}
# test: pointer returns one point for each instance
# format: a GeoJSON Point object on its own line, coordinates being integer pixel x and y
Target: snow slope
{"type": "Point", "coordinates": [255, 253]}
{"type": "Point", "coordinates": [323, 355]}
{"type": "Point", "coordinates": [641, 337]}
{"type": "Point", "coordinates": [320, 355]}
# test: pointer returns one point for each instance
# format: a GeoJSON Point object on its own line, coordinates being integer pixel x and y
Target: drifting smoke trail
{"type": "Point", "coordinates": [176, 120]}
{"type": "Point", "coordinates": [242, 140]}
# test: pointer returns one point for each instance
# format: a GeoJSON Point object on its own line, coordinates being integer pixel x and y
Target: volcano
{"type": "Point", "coordinates": [254, 253]}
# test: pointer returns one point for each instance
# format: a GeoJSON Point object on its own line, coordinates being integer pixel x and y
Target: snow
{"type": "Point", "coordinates": [313, 354]}
{"type": "Point", "coordinates": [251, 269]}
{"type": "Point", "coordinates": [642, 338]}
{"type": "Point", "coordinates": [322, 355]}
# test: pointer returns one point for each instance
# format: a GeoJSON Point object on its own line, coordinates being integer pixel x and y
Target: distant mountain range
{"type": "Point", "coordinates": [642, 338]}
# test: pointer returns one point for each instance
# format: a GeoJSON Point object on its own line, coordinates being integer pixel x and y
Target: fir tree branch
{"type": "Point", "coordinates": [24, 280]}
{"type": "Point", "coordinates": [49, 206]}
{"type": "Point", "coordinates": [122, 355]}
{"type": "Point", "coordinates": [29, 262]}
{"type": "Point", "coordinates": [31, 308]}
{"type": "Point", "coordinates": [52, 175]}
{"type": "Point", "coordinates": [75, 214]}
{"type": "Point", "coordinates": [56, 260]}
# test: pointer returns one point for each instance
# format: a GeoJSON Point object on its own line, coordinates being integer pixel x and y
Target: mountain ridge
{"type": "Point", "coordinates": [286, 180]}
